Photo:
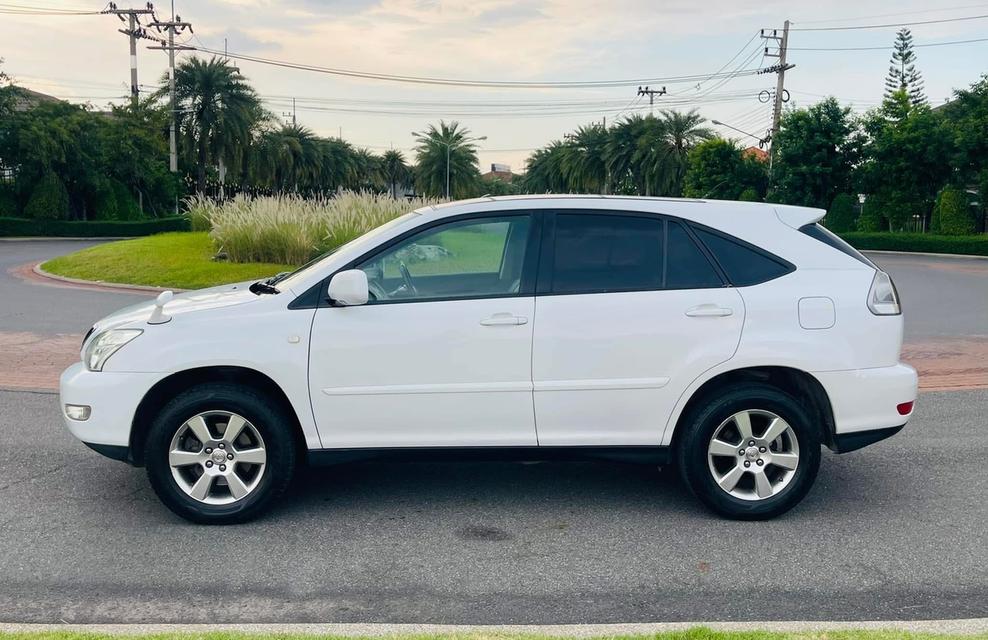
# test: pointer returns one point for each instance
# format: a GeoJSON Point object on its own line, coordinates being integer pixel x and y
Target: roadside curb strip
{"type": "Point", "coordinates": [968, 626]}
{"type": "Point", "coordinates": [99, 283]}
{"type": "Point", "coordinates": [920, 253]}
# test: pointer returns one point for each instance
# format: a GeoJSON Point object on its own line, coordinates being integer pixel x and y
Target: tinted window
{"type": "Point", "coordinates": [828, 238]}
{"type": "Point", "coordinates": [594, 253]}
{"type": "Point", "coordinates": [468, 258]}
{"type": "Point", "coordinates": [743, 265]}
{"type": "Point", "coordinates": [686, 266]}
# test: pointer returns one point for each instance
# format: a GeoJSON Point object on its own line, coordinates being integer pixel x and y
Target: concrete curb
{"type": "Point", "coordinates": [100, 284]}
{"type": "Point", "coordinates": [963, 627]}
{"type": "Point", "coordinates": [929, 255]}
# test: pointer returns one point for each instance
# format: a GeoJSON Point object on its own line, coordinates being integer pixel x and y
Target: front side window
{"type": "Point", "coordinates": [478, 257]}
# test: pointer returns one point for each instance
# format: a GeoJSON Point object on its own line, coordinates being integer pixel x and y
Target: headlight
{"type": "Point", "coordinates": [105, 345]}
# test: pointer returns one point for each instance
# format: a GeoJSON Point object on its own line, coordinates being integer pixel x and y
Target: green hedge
{"type": "Point", "coordinates": [975, 245]}
{"type": "Point", "coordinates": [11, 227]}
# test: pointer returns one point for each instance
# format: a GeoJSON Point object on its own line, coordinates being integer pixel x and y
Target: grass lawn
{"type": "Point", "coordinates": [697, 633]}
{"type": "Point", "coordinates": [181, 259]}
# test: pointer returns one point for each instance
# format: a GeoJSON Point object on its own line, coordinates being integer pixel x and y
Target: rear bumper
{"type": "Point", "coordinates": [866, 403]}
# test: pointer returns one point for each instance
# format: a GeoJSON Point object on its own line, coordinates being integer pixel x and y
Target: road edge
{"type": "Point", "coordinates": [79, 282]}
{"type": "Point", "coordinates": [968, 626]}
{"type": "Point", "coordinates": [967, 256]}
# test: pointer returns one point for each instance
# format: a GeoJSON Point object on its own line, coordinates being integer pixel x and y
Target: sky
{"type": "Point", "coordinates": [85, 59]}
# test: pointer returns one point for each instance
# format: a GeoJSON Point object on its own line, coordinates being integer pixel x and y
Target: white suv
{"type": "Point", "coordinates": [731, 339]}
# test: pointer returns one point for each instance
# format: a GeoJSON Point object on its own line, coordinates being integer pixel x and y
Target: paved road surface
{"type": "Point", "coordinates": [895, 531]}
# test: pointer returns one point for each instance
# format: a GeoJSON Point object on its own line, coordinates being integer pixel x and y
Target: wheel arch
{"type": "Point", "coordinates": [796, 382]}
{"type": "Point", "coordinates": [167, 388]}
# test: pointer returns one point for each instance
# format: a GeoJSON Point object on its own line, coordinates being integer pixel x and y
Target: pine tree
{"type": "Point", "coordinates": [902, 72]}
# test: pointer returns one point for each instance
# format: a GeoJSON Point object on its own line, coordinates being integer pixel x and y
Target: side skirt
{"type": "Point", "coordinates": [630, 454]}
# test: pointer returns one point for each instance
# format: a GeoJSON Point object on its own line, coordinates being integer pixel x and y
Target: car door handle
{"type": "Point", "coordinates": [709, 311]}
{"type": "Point", "coordinates": [500, 319]}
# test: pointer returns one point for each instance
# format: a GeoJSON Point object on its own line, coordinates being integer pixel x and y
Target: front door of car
{"type": "Point", "coordinates": [441, 353]}
{"type": "Point", "coordinates": [631, 311]}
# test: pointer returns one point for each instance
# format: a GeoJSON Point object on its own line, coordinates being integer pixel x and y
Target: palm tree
{"type": "Point", "coordinates": [683, 131]}
{"type": "Point", "coordinates": [395, 170]}
{"type": "Point", "coordinates": [622, 154]}
{"type": "Point", "coordinates": [544, 173]}
{"type": "Point", "coordinates": [367, 171]}
{"type": "Point", "coordinates": [216, 110]}
{"type": "Point", "coordinates": [446, 150]}
{"type": "Point", "coordinates": [339, 164]}
{"type": "Point", "coordinates": [584, 159]}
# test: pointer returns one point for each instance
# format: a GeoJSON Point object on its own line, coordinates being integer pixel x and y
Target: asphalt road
{"type": "Point", "coordinates": [895, 531]}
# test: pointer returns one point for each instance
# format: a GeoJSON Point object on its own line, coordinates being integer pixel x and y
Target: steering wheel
{"type": "Point", "coordinates": [407, 277]}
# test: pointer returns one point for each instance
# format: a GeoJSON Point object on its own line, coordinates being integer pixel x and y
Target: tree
{"type": "Point", "coordinates": [395, 170]}
{"type": "Point", "coordinates": [545, 171]}
{"type": "Point", "coordinates": [447, 148]}
{"type": "Point", "coordinates": [842, 214]}
{"type": "Point", "coordinates": [816, 150]}
{"type": "Point", "coordinates": [719, 169]}
{"type": "Point", "coordinates": [905, 165]}
{"type": "Point", "coordinates": [683, 131]}
{"type": "Point", "coordinates": [966, 120]}
{"type": "Point", "coordinates": [903, 75]}
{"type": "Point", "coordinates": [217, 111]}
{"type": "Point", "coordinates": [583, 160]}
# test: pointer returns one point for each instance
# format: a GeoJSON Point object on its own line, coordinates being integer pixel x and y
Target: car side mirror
{"type": "Point", "coordinates": [349, 288]}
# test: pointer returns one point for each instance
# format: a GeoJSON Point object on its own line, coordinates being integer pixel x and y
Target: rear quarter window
{"type": "Point", "coordinates": [742, 263]}
{"type": "Point", "coordinates": [829, 238]}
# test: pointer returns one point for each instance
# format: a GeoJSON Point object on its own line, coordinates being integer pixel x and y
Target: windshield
{"type": "Point", "coordinates": [289, 279]}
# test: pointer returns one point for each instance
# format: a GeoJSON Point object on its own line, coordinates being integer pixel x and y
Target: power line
{"type": "Point", "coordinates": [887, 47]}
{"type": "Point", "coordinates": [459, 82]}
{"type": "Point", "coordinates": [892, 24]}
{"type": "Point", "coordinates": [897, 13]}
{"type": "Point", "coordinates": [28, 10]}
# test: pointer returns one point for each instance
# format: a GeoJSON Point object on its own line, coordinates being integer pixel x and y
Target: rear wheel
{"type": "Point", "coordinates": [752, 453]}
{"type": "Point", "coordinates": [220, 454]}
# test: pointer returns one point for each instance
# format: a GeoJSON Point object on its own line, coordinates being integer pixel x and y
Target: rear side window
{"type": "Point", "coordinates": [686, 266]}
{"type": "Point", "coordinates": [598, 253]}
{"type": "Point", "coordinates": [743, 264]}
{"type": "Point", "coordinates": [828, 238]}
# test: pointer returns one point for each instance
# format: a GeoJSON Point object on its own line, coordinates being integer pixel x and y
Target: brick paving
{"type": "Point", "coordinates": [34, 361]}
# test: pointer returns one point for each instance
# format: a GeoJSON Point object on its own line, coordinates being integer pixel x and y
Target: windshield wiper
{"type": "Point", "coordinates": [262, 286]}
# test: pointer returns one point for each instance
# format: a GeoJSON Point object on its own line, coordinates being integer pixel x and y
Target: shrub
{"type": "Point", "coordinates": [8, 201]}
{"type": "Point", "coordinates": [871, 216]}
{"type": "Point", "coordinates": [12, 227]}
{"type": "Point", "coordinates": [842, 214]}
{"type": "Point", "coordinates": [127, 207]}
{"type": "Point", "coordinates": [292, 230]}
{"type": "Point", "coordinates": [199, 210]}
{"type": "Point", "coordinates": [954, 213]}
{"type": "Point", "coordinates": [975, 245]}
{"type": "Point", "coordinates": [49, 200]}
{"type": "Point", "coordinates": [749, 195]}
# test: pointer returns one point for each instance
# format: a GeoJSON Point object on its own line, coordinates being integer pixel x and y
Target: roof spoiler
{"type": "Point", "coordinates": [797, 217]}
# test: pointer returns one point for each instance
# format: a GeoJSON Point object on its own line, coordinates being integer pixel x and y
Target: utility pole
{"type": "Point", "coordinates": [133, 31]}
{"type": "Point", "coordinates": [292, 114]}
{"type": "Point", "coordinates": [780, 83]}
{"type": "Point", "coordinates": [651, 93]}
{"type": "Point", "coordinates": [171, 27]}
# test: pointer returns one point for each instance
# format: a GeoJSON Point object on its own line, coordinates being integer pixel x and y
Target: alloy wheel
{"type": "Point", "coordinates": [753, 455]}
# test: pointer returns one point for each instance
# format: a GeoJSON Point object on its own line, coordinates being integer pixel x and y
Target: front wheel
{"type": "Point", "coordinates": [750, 454]}
{"type": "Point", "coordinates": [220, 454]}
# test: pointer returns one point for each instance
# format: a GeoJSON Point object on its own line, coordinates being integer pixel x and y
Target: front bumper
{"type": "Point", "coordinates": [113, 398]}
{"type": "Point", "coordinates": [866, 403]}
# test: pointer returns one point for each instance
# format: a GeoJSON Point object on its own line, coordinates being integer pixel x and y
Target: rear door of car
{"type": "Point", "coordinates": [630, 310]}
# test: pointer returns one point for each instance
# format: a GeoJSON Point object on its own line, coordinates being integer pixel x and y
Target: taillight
{"type": "Point", "coordinates": [905, 408]}
{"type": "Point", "coordinates": [883, 299]}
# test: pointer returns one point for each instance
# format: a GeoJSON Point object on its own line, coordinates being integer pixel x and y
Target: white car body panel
{"type": "Point", "coordinates": [589, 369]}
{"type": "Point", "coordinates": [425, 374]}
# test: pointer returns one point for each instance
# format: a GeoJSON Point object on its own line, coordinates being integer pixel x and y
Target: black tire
{"type": "Point", "coordinates": [261, 412]}
{"type": "Point", "coordinates": [701, 425]}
